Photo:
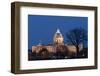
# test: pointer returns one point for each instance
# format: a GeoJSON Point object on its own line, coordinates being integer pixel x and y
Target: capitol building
{"type": "Point", "coordinates": [57, 45]}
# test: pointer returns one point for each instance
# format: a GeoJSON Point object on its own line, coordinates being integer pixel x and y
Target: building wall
{"type": "Point", "coordinates": [53, 49]}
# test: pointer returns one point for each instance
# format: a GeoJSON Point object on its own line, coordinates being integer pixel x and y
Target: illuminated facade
{"type": "Point", "coordinates": [58, 44]}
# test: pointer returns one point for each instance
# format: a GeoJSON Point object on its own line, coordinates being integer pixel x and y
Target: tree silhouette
{"type": "Point", "coordinates": [44, 53]}
{"type": "Point", "coordinates": [76, 37]}
{"type": "Point", "coordinates": [61, 51]}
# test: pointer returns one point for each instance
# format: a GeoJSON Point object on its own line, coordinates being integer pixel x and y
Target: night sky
{"type": "Point", "coordinates": [42, 28]}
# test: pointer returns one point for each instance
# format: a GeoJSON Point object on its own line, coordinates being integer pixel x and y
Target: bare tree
{"type": "Point", "coordinates": [44, 53]}
{"type": "Point", "coordinates": [76, 37]}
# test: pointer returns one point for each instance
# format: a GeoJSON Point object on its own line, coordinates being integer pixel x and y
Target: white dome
{"type": "Point", "coordinates": [58, 38]}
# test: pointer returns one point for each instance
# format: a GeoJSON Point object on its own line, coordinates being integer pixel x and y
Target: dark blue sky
{"type": "Point", "coordinates": [42, 28]}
